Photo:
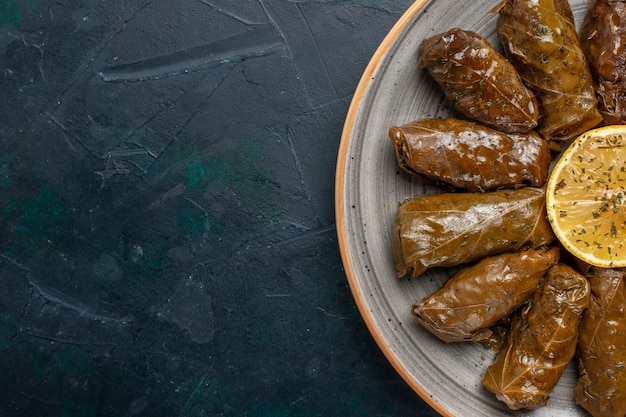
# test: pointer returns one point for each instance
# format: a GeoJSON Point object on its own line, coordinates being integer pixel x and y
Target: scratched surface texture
{"type": "Point", "coordinates": [167, 235]}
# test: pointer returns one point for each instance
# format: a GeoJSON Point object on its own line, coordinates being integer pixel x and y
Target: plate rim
{"type": "Point", "coordinates": [342, 233]}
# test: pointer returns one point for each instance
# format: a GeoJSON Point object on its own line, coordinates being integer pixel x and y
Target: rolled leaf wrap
{"type": "Point", "coordinates": [479, 296]}
{"type": "Point", "coordinates": [603, 39]}
{"type": "Point", "coordinates": [601, 387]}
{"type": "Point", "coordinates": [483, 85]}
{"type": "Point", "coordinates": [469, 155]}
{"type": "Point", "coordinates": [542, 341]}
{"type": "Point", "coordinates": [540, 40]}
{"type": "Point", "coordinates": [455, 228]}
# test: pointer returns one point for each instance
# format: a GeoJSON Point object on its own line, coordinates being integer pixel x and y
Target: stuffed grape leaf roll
{"type": "Point", "coordinates": [480, 295]}
{"type": "Point", "coordinates": [484, 86]}
{"type": "Point", "coordinates": [542, 341]}
{"type": "Point", "coordinates": [603, 39]}
{"type": "Point", "coordinates": [601, 387]}
{"type": "Point", "coordinates": [540, 40]}
{"type": "Point", "coordinates": [456, 228]}
{"type": "Point", "coordinates": [469, 155]}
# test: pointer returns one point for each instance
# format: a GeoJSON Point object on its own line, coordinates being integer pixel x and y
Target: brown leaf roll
{"type": "Point", "coordinates": [469, 155]}
{"type": "Point", "coordinates": [540, 40]}
{"type": "Point", "coordinates": [542, 341]}
{"type": "Point", "coordinates": [601, 387]}
{"type": "Point", "coordinates": [603, 40]}
{"type": "Point", "coordinates": [484, 86]}
{"type": "Point", "coordinates": [454, 228]}
{"type": "Point", "coordinates": [479, 296]}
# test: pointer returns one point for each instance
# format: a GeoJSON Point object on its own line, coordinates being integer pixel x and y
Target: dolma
{"type": "Point", "coordinates": [481, 295]}
{"type": "Point", "coordinates": [540, 40]}
{"type": "Point", "coordinates": [484, 86]}
{"type": "Point", "coordinates": [601, 387]}
{"type": "Point", "coordinates": [455, 228]}
{"type": "Point", "coordinates": [542, 341]}
{"type": "Point", "coordinates": [469, 155]}
{"type": "Point", "coordinates": [603, 39]}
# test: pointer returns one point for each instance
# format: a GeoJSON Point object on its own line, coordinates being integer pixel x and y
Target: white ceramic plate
{"type": "Point", "coordinates": [369, 186]}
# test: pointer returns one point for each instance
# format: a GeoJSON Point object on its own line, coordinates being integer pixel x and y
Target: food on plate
{"type": "Point", "coordinates": [601, 388]}
{"type": "Point", "coordinates": [586, 197]}
{"type": "Point", "coordinates": [480, 295]}
{"type": "Point", "coordinates": [456, 228]}
{"type": "Point", "coordinates": [541, 342]}
{"type": "Point", "coordinates": [483, 85]}
{"type": "Point", "coordinates": [540, 40]}
{"type": "Point", "coordinates": [603, 39]}
{"type": "Point", "coordinates": [514, 291]}
{"type": "Point", "coordinates": [469, 155]}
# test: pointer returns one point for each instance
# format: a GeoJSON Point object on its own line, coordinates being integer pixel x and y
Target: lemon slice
{"type": "Point", "coordinates": [586, 197]}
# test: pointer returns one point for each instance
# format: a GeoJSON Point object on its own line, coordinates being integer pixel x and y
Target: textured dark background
{"type": "Point", "coordinates": [167, 230]}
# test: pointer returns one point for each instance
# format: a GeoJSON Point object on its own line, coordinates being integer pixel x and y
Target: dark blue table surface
{"type": "Point", "coordinates": [167, 225]}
